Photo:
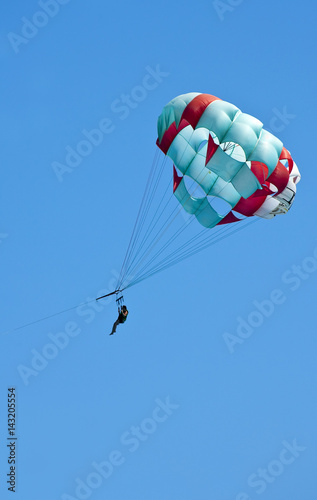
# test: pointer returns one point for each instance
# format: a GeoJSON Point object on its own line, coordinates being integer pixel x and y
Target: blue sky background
{"type": "Point", "coordinates": [62, 243]}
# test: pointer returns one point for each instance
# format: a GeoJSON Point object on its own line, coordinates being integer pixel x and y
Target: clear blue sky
{"type": "Point", "coordinates": [163, 409]}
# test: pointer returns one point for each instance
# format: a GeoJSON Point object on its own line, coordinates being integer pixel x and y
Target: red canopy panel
{"type": "Point", "coordinates": [194, 110]}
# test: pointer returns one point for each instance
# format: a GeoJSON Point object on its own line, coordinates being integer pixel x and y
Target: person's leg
{"type": "Point", "coordinates": [114, 328]}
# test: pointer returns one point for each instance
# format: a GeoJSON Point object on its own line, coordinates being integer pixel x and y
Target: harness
{"type": "Point", "coordinates": [119, 300]}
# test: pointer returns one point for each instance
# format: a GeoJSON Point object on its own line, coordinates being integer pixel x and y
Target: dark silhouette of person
{"type": "Point", "coordinates": [123, 313]}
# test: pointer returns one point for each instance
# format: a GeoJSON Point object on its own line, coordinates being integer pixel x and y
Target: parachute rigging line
{"type": "Point", "coordinates": [209, 238]}
{"type": "Point", "coordinates": [165, 265]}
{"type": "Point", "coordinates": [165, 226]}
{"type": "Point", "coordinates": [163, 229]}
{"type": "Point", "coordinates": [188, 249]}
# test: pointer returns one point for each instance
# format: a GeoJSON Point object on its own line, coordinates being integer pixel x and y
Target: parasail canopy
{"type": "Point", "coordinates": [227, 168]}
{"type": "Point", "coordinates": [230, 156]}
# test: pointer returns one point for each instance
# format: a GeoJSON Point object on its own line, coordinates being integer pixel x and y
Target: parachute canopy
{"type": "Point", "coordinates": [227, 168]}
{"type": "Point", "coordinates": [228, 155]}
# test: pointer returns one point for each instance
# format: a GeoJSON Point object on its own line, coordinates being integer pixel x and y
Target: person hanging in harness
{"type": "Point", "coordinates": [123, 313]}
